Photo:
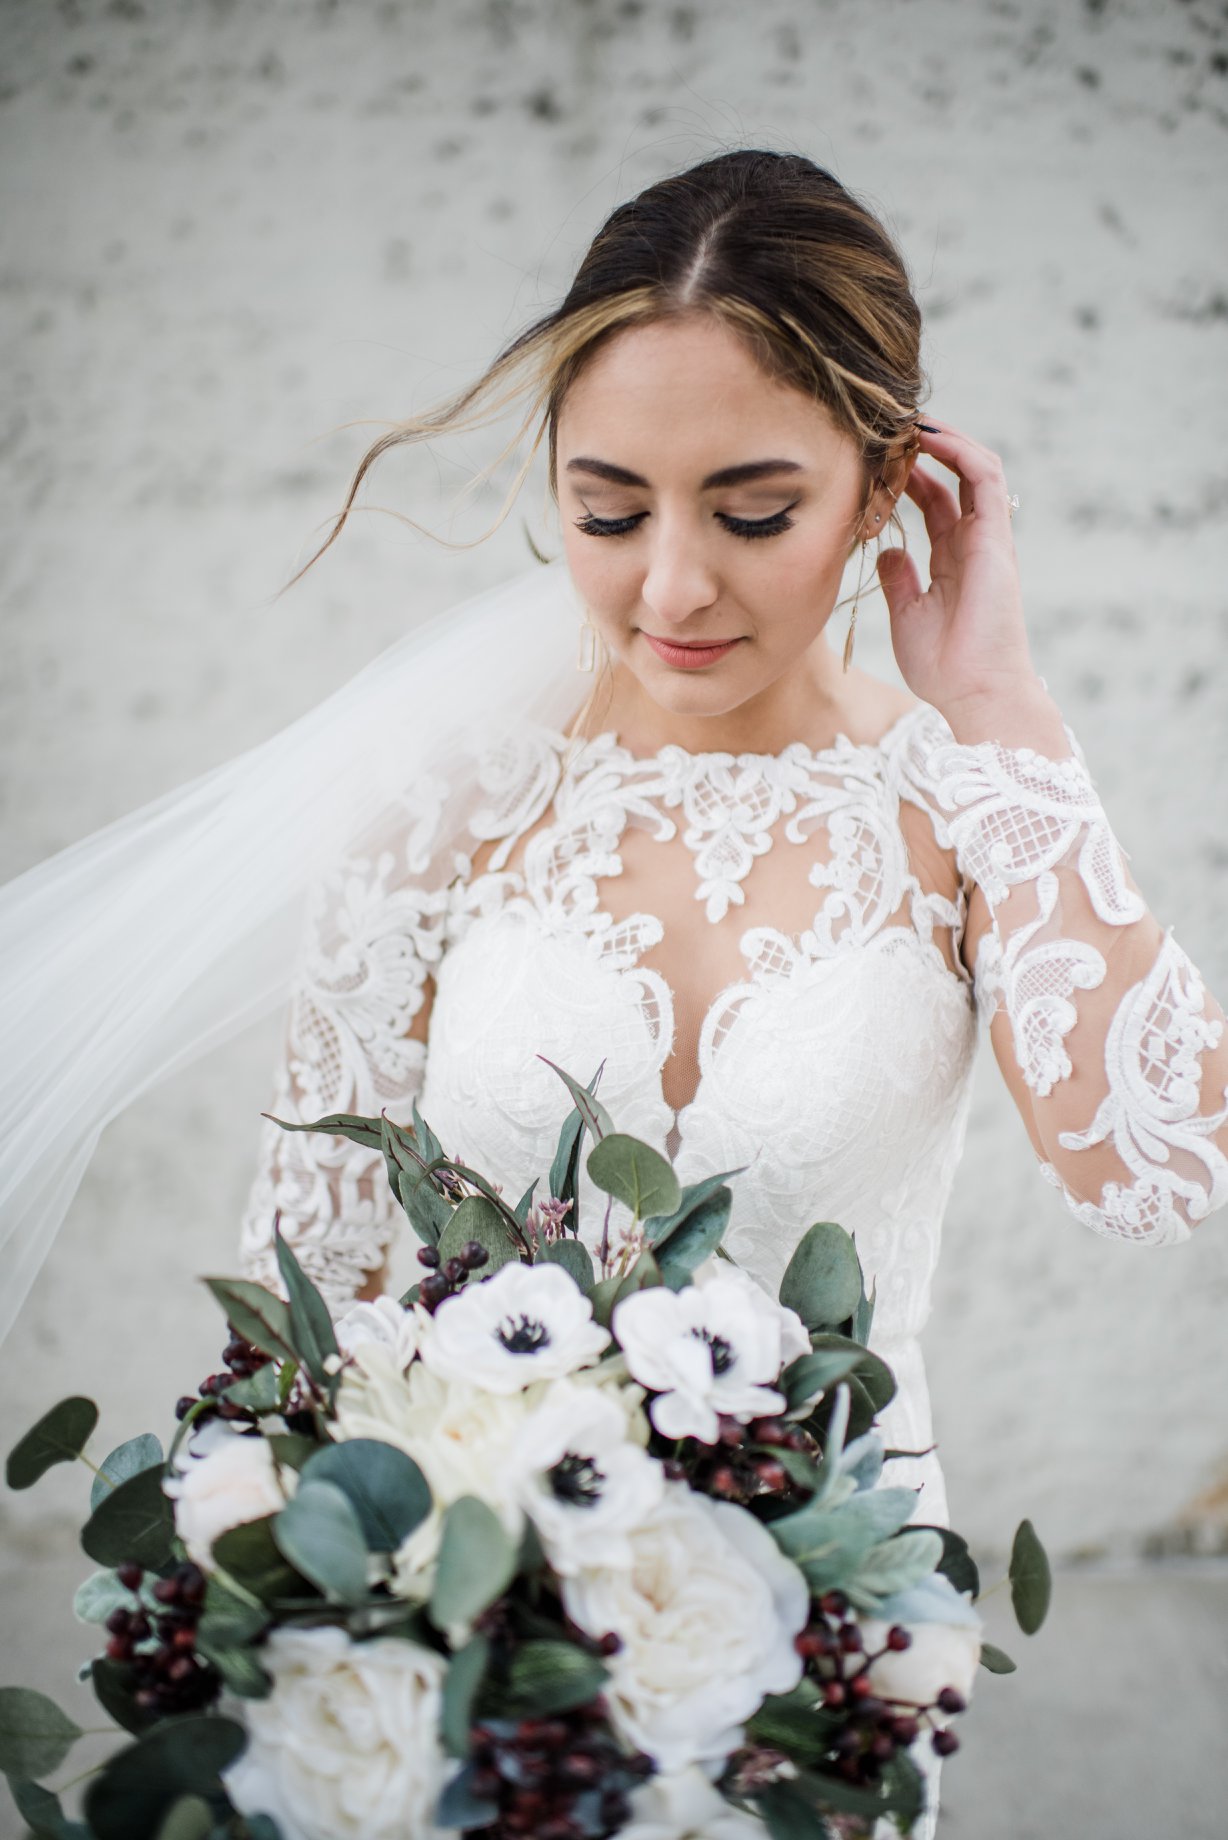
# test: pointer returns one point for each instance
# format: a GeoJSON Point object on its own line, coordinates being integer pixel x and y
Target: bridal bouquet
{"type": "Point", "coordinates": [549, 1547]}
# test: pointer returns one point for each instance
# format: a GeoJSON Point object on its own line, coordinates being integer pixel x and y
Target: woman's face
{"type": "Point", "coordinates": [702, 501]}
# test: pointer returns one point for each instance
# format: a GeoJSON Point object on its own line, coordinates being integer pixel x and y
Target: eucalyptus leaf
{"type": "Point", "coordinates": [251, 1558]}
{"type": "Point", "coordinates": [690, 1243]}
{"type": "Point", "coordinates": [659, 1227]}
{"type": "Point", "coordinates": [822, 1280]}
{"type": "Point", "coordinates": [476, 1563]}
{"type": "Point", "coordinates": [99, 1594]}
{"type": "Point", "coordinates": [803, 1732]}
{"type": "Point", "coordinates": [139, 1784]}
{"type": "Point", "coordinates": [257, 1314]}
{"type": "Point", "coordinates": [40, 1809]}
{"type": "Point", "coordinates": [320, 1534]}
{"type": "Point", "coordinates": [525, 1203]}
{"type": "Point", "coordinates": [242, 1672]}
{"type": "Point", "coordinates": [893, 1566]}
{"type": "Point", "coordinates": [134, 1521]}
{"type": "Point", "coordinates": [128, 1459]}
{"type": "Point", "coordinates": [460, 1689]}
{"type": "Point", "coordinates": [260, 1391]}
{"type": "Point", "coordinates": [384, 1486]}
{"type": "Point", "coordinates": [548, 1677]}
{"type": "Point", "coordinates": [59, 1437]}
{"type": "Point", "coordinates": [311, 1326]}
{"type": "Point", "coordinates": [293, 1448]}
{"type": "Point", "coordinates": [477, 1218]}
{"type": "Point", "coordinates": [35, 1736]}
{"type": "Point", "coordinates": [1031, 1580]}
{"type": "Point", "coordinates": [426, 1209]}
{"type": "Point", "coordinates": [811, 1374]}
{"type": "Point", "coordinates": [597, 1120]}
{"type": "Point", "coordinates": [114, 1684]}
{"type": "Point", "coordinates": [996, 1659]}
{"type": "Point", "coordinates": [933, 1599]}
{"type": "Point", "coordinates": [358, 1129]}
{"type": "Point", "coordinates": [461, 1806]}
{"type": "Point", "coordinates": [227, 1619]}
{"type": "Point", "coordinates": [574, 1256]}
{"type": "Point", "coordinates": [635, 1174]}
{"type": "Point", "coordinates": [188, 1818]}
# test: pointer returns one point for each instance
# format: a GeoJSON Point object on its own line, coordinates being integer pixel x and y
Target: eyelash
{"type": "Point", "coordinates": [738, 527]}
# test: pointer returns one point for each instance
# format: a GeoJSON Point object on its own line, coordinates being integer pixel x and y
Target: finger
{"type": "Point", "coordinates": [982, 482]}
{"type": "Point", "coordinates": [901, 585]}
{"type": "Point", "coordinates": [937, 503]}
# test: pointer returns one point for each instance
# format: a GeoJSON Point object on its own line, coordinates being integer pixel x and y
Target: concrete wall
{"type": "Point", "coordinates": [229, 230]}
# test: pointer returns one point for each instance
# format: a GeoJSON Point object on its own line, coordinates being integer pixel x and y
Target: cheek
{"type": "Point", "coordinates": [605, 573]}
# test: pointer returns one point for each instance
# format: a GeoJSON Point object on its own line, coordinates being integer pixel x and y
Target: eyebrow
{"type": "Point", "coordinates": [727, 475]}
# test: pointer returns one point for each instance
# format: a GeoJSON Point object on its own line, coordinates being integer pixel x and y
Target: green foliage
{"type": "Point", "coordinates": [128, 1459]}
{"type": "Point", "coordinates": [811, 1374]}
{"type": "Point", "coordinates": [41, 1812]}
{"type": "Point", "coordinates": [477, 1218]}
{"type": "Point", "coordinates": [635, 1174]}
{"type": "Point", "coordinates": [311, 1326]}
{"type": "Point", "coordinates": [659, 1227]}
{"type": "Point", "coordinates": [138, 1786]}
{"type": "Point", "coordinates": [251, 1558]}
{"type": "Point", "coordinates": [387, 1491]}
{"type": "Point", "coordinates": [320, 1534]}
{"type": "Point", "coordinates": [476, 1563]}
{"type": "Point", "coordinates": [59, 1437]}
{"type": "Point", "coordinates": [466, 1672]}
{"type": "Point", "coordinates": [597, 1120]}
{"type": "Point", "coordinates": [256, 1314]}
{"type": "Point", "coordinates": [549, 1676]}
{"type": "Point", "coordinates": [573, 1255]}
{"type": "Point", "coordinates": [1031, 1580]}
{"type": "Point", "coordinates": [822, 1280]}
{"type": "Point", "coordinates": [564, 1179]}
{"type": "Point", "coordinates": [260, 1392]}
{"type": "Point", "coordinates": [996, 1659]}
{"type": "Point", "coordinates": [35, 1736]}
{"type": "Point", "coordinates": [610, 1291]}
{"type": "Point", "coordinates": [407, 1155]}
{"type": "Point", "coordinates": [114, 1685]}
{"type": "Point", "coordinates": [690, 1242]}
{"type": "Point", "coordinates": [134, 1521]}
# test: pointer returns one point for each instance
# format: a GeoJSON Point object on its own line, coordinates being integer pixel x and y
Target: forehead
{"type": "Point", "coordinates": [681, 387]}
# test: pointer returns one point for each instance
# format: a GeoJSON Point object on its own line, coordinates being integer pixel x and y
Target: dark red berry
{"type": "Point", "coordinates": [723, 1481]}
{"type": "Point", "coordinates": [945, 1742]}
{"type": "Point", "coordinates": [850, 1639]}
{"type": "Point", "coordinates": [610, 1643]}
{"type": "Point", "coordinates": [899, 1638]}
{"type": "Point", "coordinates": [474, 1254]}
{"type": "Point", "coordinates": [119, 1621]}
{"type": "Point", "coordinates": [905, 1728]}
{"type": "Point", "coordinates": [834, 1603]}
{"type": "Point", "coordinates": [768, 1431]}
{"type": "Point", "coordinates": [951, 1701]}
{"type": "Point", "coordinates": [455, 1270]}
{"type": "Point", "coordinates": [428, 1255]}
{"type": "Point", "coordinates": [834, 1693]}
{"type": "Point", "coordinates": [184, 1405]}
{"type": "Point", "coordinates": [771, 1474]}
{"type": "Point", "coordinates": [130, 1574]}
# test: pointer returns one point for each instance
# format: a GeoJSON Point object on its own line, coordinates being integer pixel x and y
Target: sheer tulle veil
{"type": "Point", "coordinates": [130, 954]}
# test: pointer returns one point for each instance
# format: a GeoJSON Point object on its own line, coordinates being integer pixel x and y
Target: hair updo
{"type": "Point", "coordinates": [773, 246]}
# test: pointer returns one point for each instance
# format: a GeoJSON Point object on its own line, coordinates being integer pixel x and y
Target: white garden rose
{"type": "Point", "coordinates": [346, 1746]}
{"type": "Point", "coordinates": [941, 1655]}
{"type": "Point", "coordinates": [523, 1323]}
{"type": "Point", "coordinates": [707, 1611]}
{"type": "Point", "coordinates": [236, 1479]}
{"type": "Point", "coordinates": [683, 1805]}
{"type": "Point", "coordinates": [385, 1322]}
{"type": "Point", "coordinates": [584, 1485]}
{"type": "Point", "coordinates": [715, 1347]}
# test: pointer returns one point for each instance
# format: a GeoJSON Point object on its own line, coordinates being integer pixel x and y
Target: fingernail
{"type": "Point", "coordinates": [928, 429]}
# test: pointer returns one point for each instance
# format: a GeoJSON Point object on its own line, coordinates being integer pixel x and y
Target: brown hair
{"type": "Point", "coordinates": [772, 244]}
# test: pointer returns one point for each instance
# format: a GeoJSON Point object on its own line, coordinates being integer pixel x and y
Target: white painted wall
{"type": "Point", "coordinates": [228, 230]}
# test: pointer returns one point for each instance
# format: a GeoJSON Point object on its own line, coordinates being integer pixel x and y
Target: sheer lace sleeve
{"type": "Point", "coordinates": [355, 1041]}
{"type": "Point", "coordinates": [1113, 1049]}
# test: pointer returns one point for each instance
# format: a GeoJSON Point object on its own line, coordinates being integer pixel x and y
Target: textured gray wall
{"type": "Point", "coordinates": [229, 230]}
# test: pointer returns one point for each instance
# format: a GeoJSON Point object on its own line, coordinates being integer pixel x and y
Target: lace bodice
{"type": "Point", "coordinates": [784, 962]}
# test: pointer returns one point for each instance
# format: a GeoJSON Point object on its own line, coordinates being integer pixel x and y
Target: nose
{"type": "Point", "coordinates": [679, 581]}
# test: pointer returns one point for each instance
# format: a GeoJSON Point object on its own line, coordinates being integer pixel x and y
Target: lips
{"type": "Point", "coordinates": [690, 655]}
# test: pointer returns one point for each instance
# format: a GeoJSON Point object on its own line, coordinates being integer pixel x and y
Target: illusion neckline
{"type": "Point", "coordinates": [841, 748]}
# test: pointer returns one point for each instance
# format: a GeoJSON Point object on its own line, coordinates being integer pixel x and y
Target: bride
{"type": "Point", "coordinates": [637, 809]}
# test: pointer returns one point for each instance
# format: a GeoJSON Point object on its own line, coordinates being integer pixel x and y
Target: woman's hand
{"type": "Point", "coordinates": [961, 643]}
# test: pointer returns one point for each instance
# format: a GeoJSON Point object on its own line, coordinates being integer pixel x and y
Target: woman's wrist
{"type": "Point", "coordinates": [1024, 716]}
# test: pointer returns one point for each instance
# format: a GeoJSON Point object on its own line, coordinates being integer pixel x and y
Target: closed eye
{"type": "Point", "coordinates": [738, 527]}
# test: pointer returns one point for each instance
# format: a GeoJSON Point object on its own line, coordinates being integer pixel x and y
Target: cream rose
{"type": "Point", "coordinates": [707, 1610]}
{"type": "Point", "coordinates": [237, 1479]}
{"type": "Point", "coordinates": [941, 1655]}
{"type": "Point", "coordinates": [346, 1746]}
{"type": "Point", "coordinates": [685, 1806]}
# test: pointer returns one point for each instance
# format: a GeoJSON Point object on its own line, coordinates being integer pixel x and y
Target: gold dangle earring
{"type": "Point", "coordinates": [587, 655]}
{"type": "Point", "coordinates": [848, 642]}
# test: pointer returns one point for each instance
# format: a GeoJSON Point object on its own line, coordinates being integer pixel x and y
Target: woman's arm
{"type": "Point", "coordinates": [1115, 1053]}
{"type": "Point", "coordinates": [355, 1041]}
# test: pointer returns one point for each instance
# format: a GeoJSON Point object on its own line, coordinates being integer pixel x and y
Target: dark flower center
{"type": "Point", "coordinates": [719, 1350]}
{"type": "Point", "coordinates": [577, 1480]}
{"type": "Point", "coordinates": [523, 1337]}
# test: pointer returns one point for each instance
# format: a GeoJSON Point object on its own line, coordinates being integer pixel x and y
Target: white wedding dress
{"type": "Point", "coordinates": [770, 954]}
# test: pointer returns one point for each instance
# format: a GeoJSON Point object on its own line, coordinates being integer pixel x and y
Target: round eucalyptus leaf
{"type": "Point", "coordinates": [35, 1736]}
{"type": "Point", "coordinates": [128, 1459]}
{"type": "Point", "coordinates": [635, 1174]}
{"type": "Point", "coordinates": [134, 1521]}
{"type": "Point", "coordinates": [574, 1256]}
{"type": "Point", "coordinates": [59, 1437]}
{"type": "Point", "coordinates": [1031, 1580]}
{"type": "Point", "coordinates": [383, 1485]}
{"type": "Point", "coordinates": [477, 1218]}
{"type": "Point", "coordinates": [177, 1757]}
{"type": "Point", "coordinates": [319, 1532]}
{"type": "Point", "coordinates": [476, 1563]}
{"type": "Point", "coordinates": [822, 1280]}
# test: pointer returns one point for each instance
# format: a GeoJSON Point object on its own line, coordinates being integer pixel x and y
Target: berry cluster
{"type": "Point", "coordinates": [444, 1280]}
{"type": "Point", "coordinates": [169, 1677]}
{"type": "Point", "coordinates": [736, 1468]}
{"type": "Point", "coordinates": [556, 1778]}
{"type": "Point", "coordinates": [837, 1659]}
{"type": "Point", "coordinates": [241, 1360]}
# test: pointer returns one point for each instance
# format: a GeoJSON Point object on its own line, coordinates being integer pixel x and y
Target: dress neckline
{"type": "Point", "coordinates": [841, 748]}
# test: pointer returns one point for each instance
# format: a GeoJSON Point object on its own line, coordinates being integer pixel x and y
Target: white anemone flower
{"type": "Point", "coordinates": [523, 1323]}
{"type": "Point", "coordinates": [715, 1347]}
{"type": "Point", "coordinates": [585, 1485]}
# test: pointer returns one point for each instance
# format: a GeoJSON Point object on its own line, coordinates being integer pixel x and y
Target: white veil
{"type": "Point", "coordinates": [131, 953]}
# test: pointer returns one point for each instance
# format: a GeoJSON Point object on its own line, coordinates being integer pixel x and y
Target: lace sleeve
{"type": "Point", "coordinates": [1112, 1046]}
{"type": "Point", "coordinates": [355, 1041]}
